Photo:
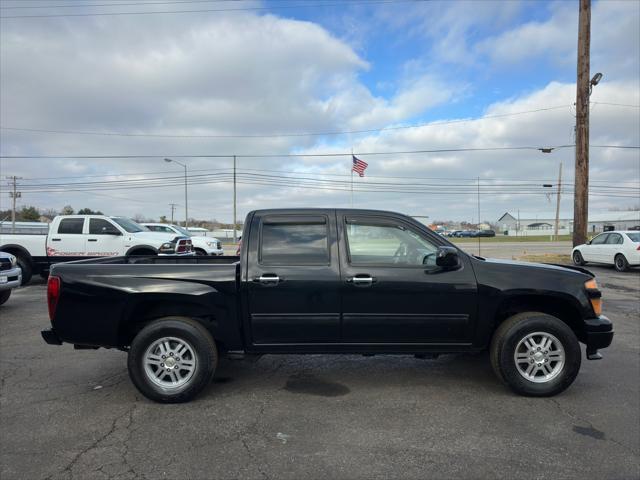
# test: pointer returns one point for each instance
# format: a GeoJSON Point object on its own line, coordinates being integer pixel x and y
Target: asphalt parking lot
{"type": "Point", "coordinates": [67, 414]}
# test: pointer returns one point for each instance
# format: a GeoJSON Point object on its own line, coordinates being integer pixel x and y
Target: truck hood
{"type": "Point", "coordinates": [157, 237]}
{"type": "Point", "coordinates": [569, 269]}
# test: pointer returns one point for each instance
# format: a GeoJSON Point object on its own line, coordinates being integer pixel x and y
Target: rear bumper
{"type": "Point", "coordinates": [598, 334]}
{"type": "Point", "coordinates": [51, 337]}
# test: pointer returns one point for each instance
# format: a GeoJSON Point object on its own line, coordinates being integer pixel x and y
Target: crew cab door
{"type": "Point", "coordinates": [392, 290]}
{"type": "Point", "coordinates": [104, 239]}
{"type": "Point", "coordinates": [68, 240]}
{"type": "Point", "coordinates": [293, 279]}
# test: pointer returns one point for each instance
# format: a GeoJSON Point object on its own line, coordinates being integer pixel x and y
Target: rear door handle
{"type": "Point", "coordinates": [92, 240]}
{"type": "Point", "coordinates": [56, 239]}
{"type": "Point", "coordinates": [268, 279]}
{"type": "Point", "coordinates": [361, 280]}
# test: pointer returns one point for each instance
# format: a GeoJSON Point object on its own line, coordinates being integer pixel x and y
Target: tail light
{"type": "Point", "coordinates": [53, 294]}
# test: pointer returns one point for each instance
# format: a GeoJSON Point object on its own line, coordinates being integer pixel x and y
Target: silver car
{"type": "Point", "coordinates": [10, 275]}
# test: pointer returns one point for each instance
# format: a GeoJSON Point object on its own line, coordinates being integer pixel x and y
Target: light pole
{"type": "Point", "coordinates": [186, 205]}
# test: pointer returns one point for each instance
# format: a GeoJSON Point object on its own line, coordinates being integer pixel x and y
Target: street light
{"type": "Point", "coordinates": [186, 205]}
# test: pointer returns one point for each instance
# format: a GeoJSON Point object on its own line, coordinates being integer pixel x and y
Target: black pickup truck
{"type": "Point", "coordinates": [329, 281]}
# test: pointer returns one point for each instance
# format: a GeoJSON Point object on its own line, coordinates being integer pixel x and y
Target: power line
{"type": "Point", "coordinates": [112, 4]}
{"type": "Point", "coordinates": [279, 135]}
{"type": "Point", "coordinates": [616, 104]}
{"type": "Point", "coordinates": [302, 155]}
{"type": "Point", "coordinates": [211, 10]}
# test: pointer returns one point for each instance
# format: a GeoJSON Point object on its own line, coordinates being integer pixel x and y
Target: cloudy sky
{"type": "Point", "coordinates": [278, 82]}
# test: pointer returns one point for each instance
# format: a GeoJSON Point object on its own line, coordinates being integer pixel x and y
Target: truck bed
{"type": "Point", "coordinates": [104, 300]}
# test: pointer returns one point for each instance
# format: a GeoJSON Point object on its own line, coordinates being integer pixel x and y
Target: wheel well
{"type": "Point", "coordinates": [556, 307]}
{"type": "Point", "coordinates": [146, 312]}
{"type": "Point", "coordinates": [18, 251]}
{"type": "Point", "coordinates": [141, 251]}
{"type": "Point", "coordinates": [198, 249]}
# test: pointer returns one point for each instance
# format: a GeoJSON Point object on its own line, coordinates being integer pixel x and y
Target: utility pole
{"type": "Point", "coordinates": [479, 251]}
{"type": "Point", "coordinates": [14, 194]}
{"type": "Point", "coordinates": [235, 237]}
{"type": "Point", "coordinates": [173, 209]}
{"type": "Point", "coordinates": [581, 193]}
{"type": "Point", "coordinates": [558, 201]}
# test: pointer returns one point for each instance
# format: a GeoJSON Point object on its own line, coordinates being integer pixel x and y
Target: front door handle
{"type": "Point", "coordinates": [268, 279]}
{"type": "Point", "coordinates": [56, 239]}
{"type": "Point", "coordinates": [92, 240]}
{"type": "Point", "coordinates": [361, 280]}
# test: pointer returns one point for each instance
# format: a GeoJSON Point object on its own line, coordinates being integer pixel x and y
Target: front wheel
{"type": "Point", "coordinates": [535, 354]}
{"type": "Point", "coordinates": [4, 296]}
{"type": "Point", "coordinates": [577, 258]}
{"type": "Point", "coordinates": [172, 359]}
{"type": "Point", "coordinates": [27, 269]}
{"type": "Point", "coordinates": [621, 263]}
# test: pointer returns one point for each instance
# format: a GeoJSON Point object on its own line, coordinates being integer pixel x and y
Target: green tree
{"type": "Point", "coordinates": [88, 211]}
{"type": "Point", "coordinates": [29, 214]}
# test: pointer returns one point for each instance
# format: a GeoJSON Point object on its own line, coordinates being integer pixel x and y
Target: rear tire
{"type": "Point", "coordinates": [27, 269]}
{"type": "Point", "coordinates": [172, 360]}
{"type": "Point", "coordinates": [535, 354]}
{"type": "Point", "coordinates": [4, 296]}
{"type": "Point", "coordinates": [577, 258]}
{"type": "Point", "coordinates": [620, 262]}
{"type": "Point", "coordinates": [199, 251]}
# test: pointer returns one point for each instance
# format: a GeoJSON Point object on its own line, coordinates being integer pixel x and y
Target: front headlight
{"type": "Point", "coordinates": [209, 244]}
{"type": "Point", "coordinates": [166, 246]}
{"type": "Point", "coordinates": [13, 260]}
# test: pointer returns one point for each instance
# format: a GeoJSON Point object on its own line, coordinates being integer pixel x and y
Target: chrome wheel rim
{"type": "Point", "coordinates": [577, 258]}
{"type": "Point", "coordinates": [170, 362]}
{"type": "Point", "coordinates": [539, 357]}
{"type": "Point", "coordinates": [619, 263]}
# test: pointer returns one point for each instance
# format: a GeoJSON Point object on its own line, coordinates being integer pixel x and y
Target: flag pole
{"type": "Point", "coordinates": [352, 178]}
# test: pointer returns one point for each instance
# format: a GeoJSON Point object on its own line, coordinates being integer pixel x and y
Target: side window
{"type": "Point", "coordinates": [71, 225]}
{"type": "Point", "coordinates": [600, 239]}
{"type": "Point", "coordinates": [294, 243]}
{"type": "Point", "coordinates": [614, 239]}
{"type": "Point", "coordinates": [100, 226]}
{"type": "Point", "coordinates": [388, 245]}
{"type": "Point", "coordinates": [153, 228]}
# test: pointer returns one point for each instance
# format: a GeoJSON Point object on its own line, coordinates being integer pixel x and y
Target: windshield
{"type": "Point", "coordinates": [635, 236]}
{"type": "Point", "coordinates": [129, 225]}
{"type": "Point", "coordinates": [182, 230]}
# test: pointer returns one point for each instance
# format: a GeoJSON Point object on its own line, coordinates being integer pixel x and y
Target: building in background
{"type": "Point", "coordinates": [543, 223]}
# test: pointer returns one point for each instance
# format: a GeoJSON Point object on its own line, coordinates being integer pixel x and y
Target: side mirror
{"type": "Point", "coordinates": [447, 257]}
{"type": "Point", "coordinates": [110, 231]}
{"type": "Point", "coordinates": [588, 242]}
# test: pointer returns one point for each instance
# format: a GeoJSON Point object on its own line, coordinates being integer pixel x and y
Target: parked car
{"type": "Point", "coordinates": [329, 281]}
{"type": "Point", "coordinates": [73, 237]}
{"type": "Point", "coordinates": [10, 275]}
{"type": "Point", "coordinates": [465, 234]}
{"type": "Point", "coordinates": [620, 249]}
{"type": "Point", "coordinates": [486, 233]}
{"type": "Point", "coordinates": [201, 245]}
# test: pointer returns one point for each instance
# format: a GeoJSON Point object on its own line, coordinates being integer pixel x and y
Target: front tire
{"type": "Point", "coordinates": [27, 269]}
{"type": "Point", "coordinates": [535, 354]}
{"type": "Point", "coordinates": [577, 258]}
{"type": "Point", "coordinates": [4, 296]}
{"type": "Point", "coordinates": [172, 360]}
{"type": "Point", "coordinates": [621, 263]}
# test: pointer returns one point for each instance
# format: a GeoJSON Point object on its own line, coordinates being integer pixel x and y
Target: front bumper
{"type": "Point", "coordinates": [13, 278]}
{"type": "Point", "coordinates": [598, 334]}
{"type": "Point", "coordinates": [51, 337]}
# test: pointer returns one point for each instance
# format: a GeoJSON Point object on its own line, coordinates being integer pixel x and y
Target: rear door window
{"type": "Point", "coordinates": [71, 226]}
{"type": "Point", "coordinates": [614, 239]}
{"type": "Point", "coordinates": [294, 242]}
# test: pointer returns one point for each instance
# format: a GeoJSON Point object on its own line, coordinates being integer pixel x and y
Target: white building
{"type": "Point", "coordinates": [543, 223]}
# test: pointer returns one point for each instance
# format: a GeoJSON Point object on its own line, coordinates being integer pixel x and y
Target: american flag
{"type": "Point", "coordinates": [359, 166]}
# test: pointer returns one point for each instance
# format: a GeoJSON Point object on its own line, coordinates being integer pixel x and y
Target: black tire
{"type": "Point", "coordinates": [515, 329]}
{"type": "Point", "coordinates": [187, 330]}
{"type": "Point", "coordinates": [577, 258]}
{"type": "Point", "coordinates": [4, 296]}
{"type": "Point", "coordinates": [200, 251]}
{"type": "Point", "coordinates": [26, 267]}
{"type": "Point", "coordinates": [621, 263]}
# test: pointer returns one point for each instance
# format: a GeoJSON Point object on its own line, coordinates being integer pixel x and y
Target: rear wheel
{"type": "Point", "coordinates": [621, 263]}
{"type": "Point", "coordinates": [172, 359]}
{"type": "Point", "coordinates": [200, 251]}
{"type": "Point", "coordinates": [27, 269]}
{"type": "Point", "coordinates": [577, 258]}
{"type": "Point", "coordinates": [4, 296]}
{"type": "Point", "coordinates": [535, 354]}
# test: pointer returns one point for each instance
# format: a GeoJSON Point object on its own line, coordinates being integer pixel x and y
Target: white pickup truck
{"type": "Point", "coordinates": [201, 245]}
{"type": "Point", "coordinates": [75, 237]}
